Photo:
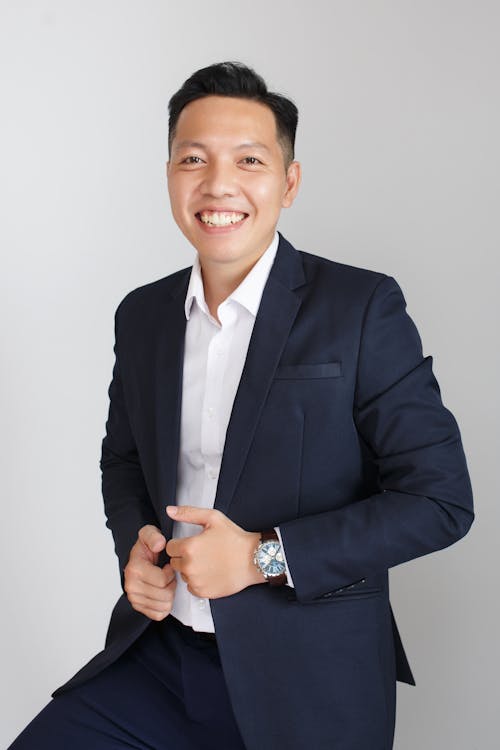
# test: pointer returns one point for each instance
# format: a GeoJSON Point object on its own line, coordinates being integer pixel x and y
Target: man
{"type": "Point", "coordinates": [279, 405]}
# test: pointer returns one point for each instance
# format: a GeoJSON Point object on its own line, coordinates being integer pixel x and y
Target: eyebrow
{"type": "Point", "coordinates": [197, 144]}
{"type": "Point", "coordinates": [254, 144]}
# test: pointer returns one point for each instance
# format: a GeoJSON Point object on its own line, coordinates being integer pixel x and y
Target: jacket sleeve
{"type": "Point", "coordinates": [424, 502]}
{"type": "Point", "coordinates": [126, 500]}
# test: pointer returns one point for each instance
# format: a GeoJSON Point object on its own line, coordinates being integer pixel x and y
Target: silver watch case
{"type": "Point", "coordinates": [268, 557]}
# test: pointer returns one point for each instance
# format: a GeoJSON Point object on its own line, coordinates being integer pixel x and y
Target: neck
{"type": "Point", "coordinates": [220, 282]}
{"type": "Point", "coordinates": [221, 279]}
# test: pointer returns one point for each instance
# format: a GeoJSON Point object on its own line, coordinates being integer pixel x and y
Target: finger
{"type": "Point", "coordinates": [144, 602]}
{"type": "Point", "coordinates": [195, 591]}
{"type": "Point", "coordinates": [175, 547]}
{"type": "Point", "coordinates": [190, 514]}
{"type": "Point", "coordinates": [176, 563]}
{"type": "Point", "coordinates": [144, 572]}
{"type": "Point", "coordinates": [181, 568]}
{"type": "Point", "coordinates": [153, 615]}
{"type": "Point", "coordinates": [152, 538]}
{"type": "Point", "coordinates": [153, 593]}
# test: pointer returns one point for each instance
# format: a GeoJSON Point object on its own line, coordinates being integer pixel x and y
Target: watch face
{"type": "Point", "coordinates": [270, 558]}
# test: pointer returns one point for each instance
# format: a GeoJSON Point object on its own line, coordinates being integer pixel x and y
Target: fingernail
{"type": "Point", "coordinates": [172, 509]}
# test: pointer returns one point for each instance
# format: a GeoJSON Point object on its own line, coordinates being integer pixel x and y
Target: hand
{"type": "Point", "coordinates": [218, 561]}
{"type": "Point", "coordinates": [150, 589]}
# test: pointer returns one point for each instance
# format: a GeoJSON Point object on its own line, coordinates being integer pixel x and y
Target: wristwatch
{"type": "Point", "coordinates": [268, 557]}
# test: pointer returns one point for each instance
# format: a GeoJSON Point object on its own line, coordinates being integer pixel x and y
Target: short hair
{"type": "Point", "coordinates": [234, 79]}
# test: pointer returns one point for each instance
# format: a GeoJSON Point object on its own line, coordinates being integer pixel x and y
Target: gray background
{"type": "Point", "coordinates": [398, 138]}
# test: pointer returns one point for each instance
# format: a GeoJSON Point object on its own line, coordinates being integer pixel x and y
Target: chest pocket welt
{"type": "Point", "coordinates": [309, 372]}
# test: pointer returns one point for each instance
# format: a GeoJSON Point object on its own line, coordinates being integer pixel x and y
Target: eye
{"type": "Point", "coordinates": [191, 160]}
{"type": "Point", "coordinates": [252, 160]}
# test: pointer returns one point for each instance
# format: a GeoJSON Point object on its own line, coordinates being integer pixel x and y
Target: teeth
{"type": "Point", "coordinates": [220, 218]}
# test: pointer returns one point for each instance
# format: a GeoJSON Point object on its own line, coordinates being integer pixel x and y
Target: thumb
{"type": "Point", "coordinates": [190, 514]}
{"type": "Point", "coordinates": [152, 538]}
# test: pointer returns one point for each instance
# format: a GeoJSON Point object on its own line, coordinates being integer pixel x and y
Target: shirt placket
{"type": "Point", "coordinates": [212, 419]}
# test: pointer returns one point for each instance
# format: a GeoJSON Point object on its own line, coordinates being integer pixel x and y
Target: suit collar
{"type": "Point", "coordinates": [287, 269]}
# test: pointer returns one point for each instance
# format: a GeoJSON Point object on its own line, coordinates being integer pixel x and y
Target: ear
{"type": "Point", "coordinates": [167, 168]}
{"type": "Point", "coordinates": [293, 177]}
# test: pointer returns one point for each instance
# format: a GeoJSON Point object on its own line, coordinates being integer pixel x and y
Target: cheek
{"type": "Point", "coordinates": [172, 194]}
{"type": "Point", "coordinates": [267, 195]}
{"type": "Point", "coordinates": [179, 191]}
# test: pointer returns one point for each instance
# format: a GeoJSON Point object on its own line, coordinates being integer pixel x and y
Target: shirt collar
{"type": "Point", "coordinates": [248, 293]}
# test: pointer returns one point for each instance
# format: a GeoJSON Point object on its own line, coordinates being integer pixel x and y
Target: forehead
{"type": "Point", "coordinates": [219, 119]}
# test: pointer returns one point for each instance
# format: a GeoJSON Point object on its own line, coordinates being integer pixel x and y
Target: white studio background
{"type": "Point", "coordinates": [398, 137]}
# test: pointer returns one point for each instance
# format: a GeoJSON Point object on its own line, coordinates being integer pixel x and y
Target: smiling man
{"type": "Point", "coordinates": [229, 175]}
{"type": "Point", "coordinates": [276, 441]}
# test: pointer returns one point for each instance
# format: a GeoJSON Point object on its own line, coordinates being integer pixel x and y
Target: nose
{"type": "Point", "coordinates": [218, 180]}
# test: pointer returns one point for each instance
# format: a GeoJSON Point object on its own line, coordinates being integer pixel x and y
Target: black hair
{"type": "Point", "coordinates": [234, 79]}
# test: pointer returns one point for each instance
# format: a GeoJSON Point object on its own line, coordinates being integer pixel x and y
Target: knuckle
{"type": "Point", "coordinates": [132, 570]}
{"type": "Point", "coordinates": [157, 615]}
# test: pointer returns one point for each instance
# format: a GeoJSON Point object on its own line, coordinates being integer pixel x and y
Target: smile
{"type": "Point", "coordinates": [220, 218]}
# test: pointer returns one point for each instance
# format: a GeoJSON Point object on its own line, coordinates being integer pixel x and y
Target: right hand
{"type": "Point", "coordinates": [149, 588]}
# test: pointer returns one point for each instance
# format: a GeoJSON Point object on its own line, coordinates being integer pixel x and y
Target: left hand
{"type": "Point", "coordinates": [219, 560]}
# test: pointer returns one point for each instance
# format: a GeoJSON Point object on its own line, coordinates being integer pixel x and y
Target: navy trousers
{"type": "Point", "coordinates": [167, 692]}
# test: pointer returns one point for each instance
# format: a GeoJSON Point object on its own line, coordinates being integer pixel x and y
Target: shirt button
{"type": "Point", "coordinates": [210, 412]}
{"type": "Point", "coordinates": [212, 473]}
{"type": "Point", "coordinates": [201, 603]}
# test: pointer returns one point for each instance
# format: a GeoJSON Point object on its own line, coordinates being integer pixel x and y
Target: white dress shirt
{"type": "Point", "coordinates": [214, 356]}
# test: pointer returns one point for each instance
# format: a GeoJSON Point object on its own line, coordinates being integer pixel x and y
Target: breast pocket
{"type": "Point", "coordinates": [309, 371]}
{"type": "Point", "coordinates": [357, 590]}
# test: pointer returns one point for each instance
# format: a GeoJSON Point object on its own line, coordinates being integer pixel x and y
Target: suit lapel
{"type": "Point", "coordinates": [277, 311]}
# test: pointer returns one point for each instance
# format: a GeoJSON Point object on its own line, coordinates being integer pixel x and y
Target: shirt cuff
{"type": "Point", "coordinates": [289, 581]}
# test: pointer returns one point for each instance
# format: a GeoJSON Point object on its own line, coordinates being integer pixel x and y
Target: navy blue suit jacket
{"type": "Point", "coordinates": [338, 435]}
